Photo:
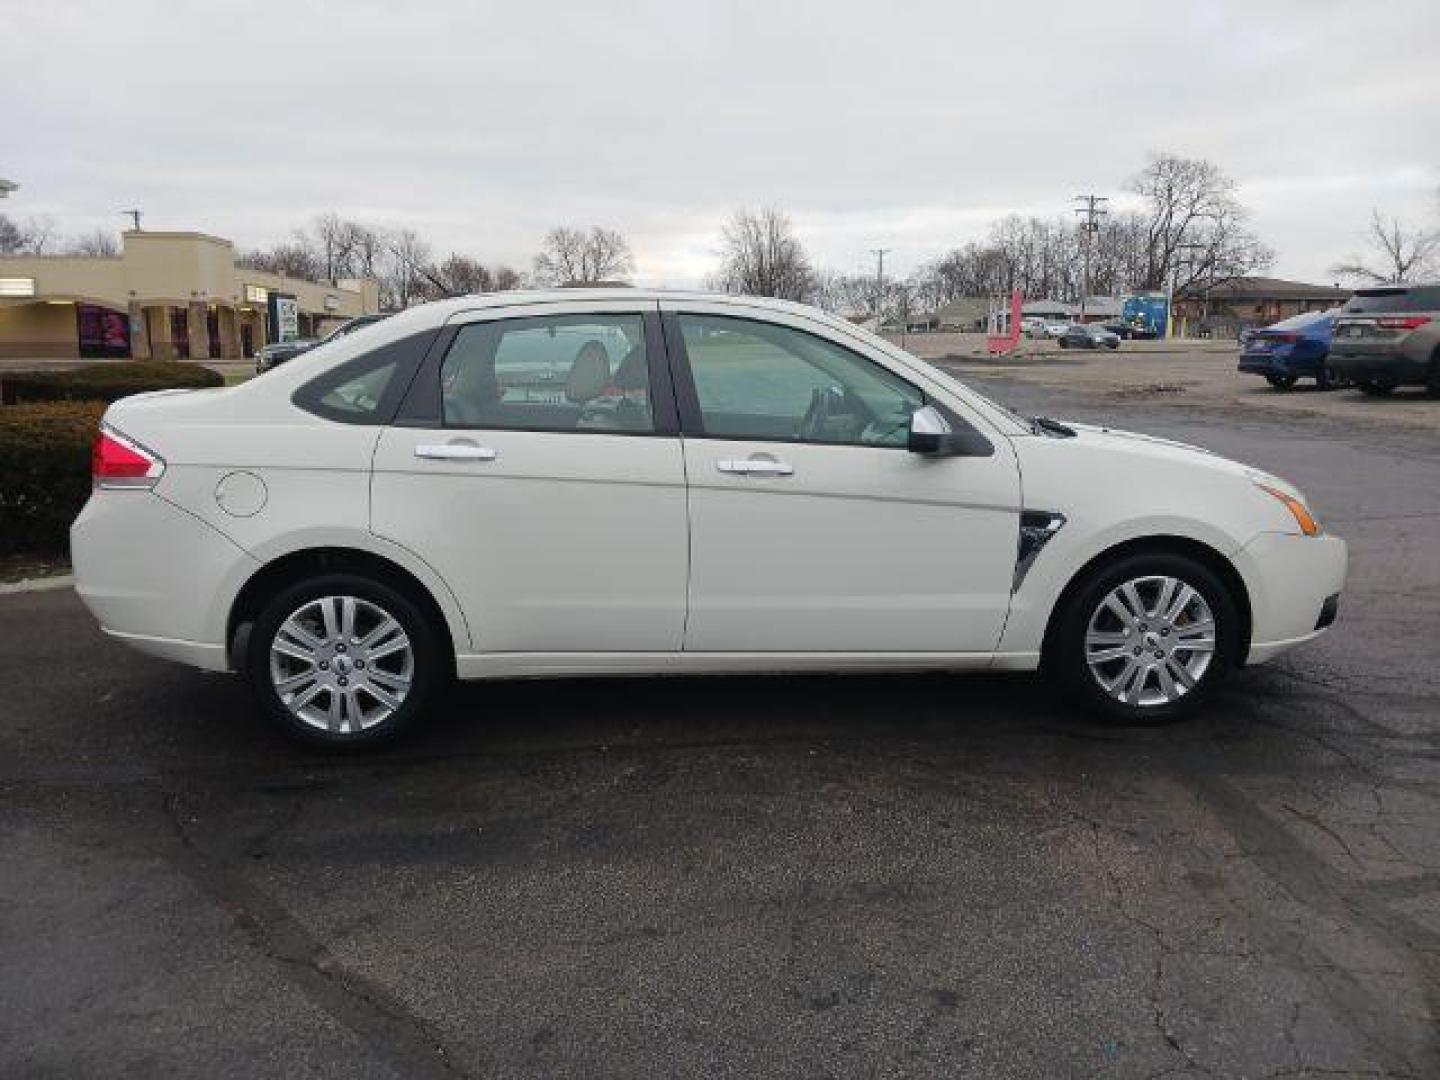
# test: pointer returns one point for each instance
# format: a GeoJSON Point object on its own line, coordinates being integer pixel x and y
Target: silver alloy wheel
{"type": "Point", "coordinates": [1150, 640]}
{"type": "Point", "coordinates": [341, 664]}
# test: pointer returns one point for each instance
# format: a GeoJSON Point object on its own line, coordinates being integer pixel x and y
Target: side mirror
{"type": "Point", "coordinates": [928, 431]}
{"type": "Point", "coordinates": [932, 433]}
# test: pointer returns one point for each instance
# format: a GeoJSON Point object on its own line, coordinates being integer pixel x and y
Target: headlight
{"type": "Point", "coordinates": [1306, 520]}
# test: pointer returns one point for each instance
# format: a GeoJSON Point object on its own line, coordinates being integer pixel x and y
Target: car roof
{"type": "Point", "coordinates": [445, 308]}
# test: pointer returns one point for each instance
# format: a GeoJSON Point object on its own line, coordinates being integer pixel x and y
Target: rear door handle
{"type": "Point", "coordinates": [754, 466]}
{"type": "Point", "coordinates": [455, 452]}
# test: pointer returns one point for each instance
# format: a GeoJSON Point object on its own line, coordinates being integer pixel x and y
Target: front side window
{"type": "Point", "coordinates": [549, 373]}
{"type": "Point", "coordinates": [757, 380]}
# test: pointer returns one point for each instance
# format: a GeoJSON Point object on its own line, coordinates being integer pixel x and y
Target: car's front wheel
{"type": "Point", "coordinates": [1145, 638]}
{"type": "Point", "coordinates": [344, 661]}
{"type": "Point", "coordinates": [1371, 388]}
{"type": "Point", "coordinates": [1281, 382]}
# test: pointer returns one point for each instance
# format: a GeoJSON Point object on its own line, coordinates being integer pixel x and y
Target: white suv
{"type": "Point", "coordinates": [622, 481]}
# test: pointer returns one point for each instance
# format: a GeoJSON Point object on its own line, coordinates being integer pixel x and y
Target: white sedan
{"type": "Point", "coordinates": [622, 481]}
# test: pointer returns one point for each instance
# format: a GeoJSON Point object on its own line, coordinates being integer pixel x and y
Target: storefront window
{"type": "Point", "coordinates": [102, 333]}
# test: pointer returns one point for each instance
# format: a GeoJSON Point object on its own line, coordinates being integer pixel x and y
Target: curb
{"type": "Point", "coordinates": [42, 584]}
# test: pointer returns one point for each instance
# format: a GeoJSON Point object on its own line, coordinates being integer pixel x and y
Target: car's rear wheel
{"type": "Point", "coordinates": [1145, 639]}
{"type": "Point", "coordinates": [1371, 388]}
{"type": "Point", "coordinates": [344, 661]}
{"type": "Point", "coordinates": [1064, 344]}
{"type": "Point", "coordinates": [1281, 382]}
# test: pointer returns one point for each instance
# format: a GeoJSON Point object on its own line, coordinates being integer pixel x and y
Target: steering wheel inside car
{"type": "Point", "coordinates": [827, 403]}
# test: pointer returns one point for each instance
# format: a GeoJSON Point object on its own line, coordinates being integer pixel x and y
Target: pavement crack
{"type": "Point", "coordinates": [404, 1040]}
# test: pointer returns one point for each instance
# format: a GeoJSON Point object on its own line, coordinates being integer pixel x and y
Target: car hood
{"type": "Point", "coordinates": [1171, 452]}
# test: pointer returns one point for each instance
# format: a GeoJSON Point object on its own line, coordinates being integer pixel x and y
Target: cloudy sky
{"type": "Point", "coordinates": [908, 126]}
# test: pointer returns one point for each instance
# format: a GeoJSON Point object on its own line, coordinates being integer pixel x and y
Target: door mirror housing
{"type": "Point", "coordinates": [937, 434]}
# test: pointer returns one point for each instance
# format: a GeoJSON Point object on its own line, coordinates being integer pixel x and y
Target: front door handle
{"type": "Point", "coordinates": [455, 452]}
{"type": "Point", "coordinates": [755, 466]}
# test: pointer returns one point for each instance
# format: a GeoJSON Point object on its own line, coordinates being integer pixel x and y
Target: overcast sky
{"type": "Point", "coordinates": [905, 126]}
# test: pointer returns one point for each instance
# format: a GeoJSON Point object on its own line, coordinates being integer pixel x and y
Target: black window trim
{"type": "Point", "coordinates": [692, 422]}
{"type": "Point", "coordinates": [414, 352]}
{"type": "Point", "coordinates": [423, 407]}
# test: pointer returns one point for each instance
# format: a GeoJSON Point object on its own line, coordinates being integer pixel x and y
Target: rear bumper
{"type": "Point", "coordinates": [1294, 583]}
{"type": "Point", "coordinates": [1264, 364]}
{"type": "Point", "coordinates": [157, 577]}
{"type": "Point", "coordinates": [1377, 364]}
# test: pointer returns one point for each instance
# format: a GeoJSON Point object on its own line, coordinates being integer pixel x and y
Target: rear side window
{"type": "Point", "coordinates": [550, 373]}
{"type": "Point", "coordinates": [1396, 300]}
{"type": "Point", "coordinates": [366, 389]}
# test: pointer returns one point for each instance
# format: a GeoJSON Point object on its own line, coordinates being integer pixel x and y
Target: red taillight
{"type": "Point", "coordinates": [1402, 322]}
{"type": "Point", "coordinates": [118, 462]}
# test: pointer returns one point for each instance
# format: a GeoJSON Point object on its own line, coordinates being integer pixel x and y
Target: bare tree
{"type": "Point", "coordinates": [12, 240]}
{"type": "Point", "coordinates": [1400, 254]}
{"type": "Point", "coordinates": [334, 244]}
{"type": "Point", "coordinates": [29, 237]}
{"type": "Point", "coordinates": [295, 259]}
{"type": "Point", "coordinates": [408, 275]}
{"type": "Point", "coordinates": [761, 256]}
{"type": "Point", "coordinates": [571, 256]}
{"type": "Point", "coordinates": [1195, 228]}
{"type": "Point", "coordinates": [99, 242]}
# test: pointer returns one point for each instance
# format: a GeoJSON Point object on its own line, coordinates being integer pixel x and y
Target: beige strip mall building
{"type": "Point", "coordinates": [166, 296]}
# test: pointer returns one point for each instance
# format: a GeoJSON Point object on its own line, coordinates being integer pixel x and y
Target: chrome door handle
{"type": "Point", "coordinates": [455, 452]}
{"type": "Point", "coordinates": [754, 466]}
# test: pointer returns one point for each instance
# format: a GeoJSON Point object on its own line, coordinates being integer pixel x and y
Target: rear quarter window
{"type": "Point", "coordinates": [366, 389]}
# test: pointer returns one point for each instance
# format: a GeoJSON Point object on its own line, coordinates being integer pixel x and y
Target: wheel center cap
{"type": "Point", "coordinates": [341, 665]}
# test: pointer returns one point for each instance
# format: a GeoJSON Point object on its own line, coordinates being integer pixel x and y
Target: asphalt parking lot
{"type": "Point", "coordinates": [777, 876]}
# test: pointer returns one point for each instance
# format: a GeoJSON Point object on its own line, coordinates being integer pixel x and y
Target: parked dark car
{"type": "Point", "coordinates": [1389, 336]}
{"type": "Point", "coordinates": [1088, 336]}
{"type": "Point", "coordinates": [1136, 331]}
{"type": "Point", "coordinates": [349, 326]}
{"type": "Point", "coordinates": [1293, 349]}
{"type": "Point", "coordinates": [277, 352]}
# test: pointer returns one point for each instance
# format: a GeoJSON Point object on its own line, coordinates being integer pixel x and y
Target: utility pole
{"type": "Point", "coordinates": [1091, 209]}
{"type": "Point", "coordinates": [879, 254]}
{"type": "Point", "coordinates": [133, 215]}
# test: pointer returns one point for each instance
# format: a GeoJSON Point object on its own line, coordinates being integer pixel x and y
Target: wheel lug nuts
{"type": "Point", "coordinates": [1159, 655]}
{"type": "Point", "coordinates": [1139, 651]}
{"type": "Point", "coordinates": [343, 681]}
{"type": "Point", "coordinates": [324, 665]}
{"type": "Point", "coordinates": [340, 647]}
{"type": "Point", "coordinates": [359, 664]}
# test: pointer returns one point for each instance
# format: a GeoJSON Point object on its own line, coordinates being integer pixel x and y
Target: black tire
{"type": "Point", "coordinates": [1370, 388]}
{"type": "Point", "coordinates": [1112, 344]}
{"type": "Point", "coordinates": [427, 667]}
{"type": "Point", "coordinates": [1281, 382]}
{"type": "Point", "coordinates": [1065, 659]}
{"type": "Point", "coordinates": [1063, 343]}
{"type": "Point", "coordinates": [1432, 384]}
{"type": "Point", "coordinates": [1323, 379]}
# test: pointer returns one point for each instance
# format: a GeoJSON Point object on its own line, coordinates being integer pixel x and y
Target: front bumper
{"type": "Point", "coordinates": [1294, 583]}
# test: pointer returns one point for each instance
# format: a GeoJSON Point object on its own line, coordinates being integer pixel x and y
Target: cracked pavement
{"type": "Point", "coordinates": [779, 876]}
